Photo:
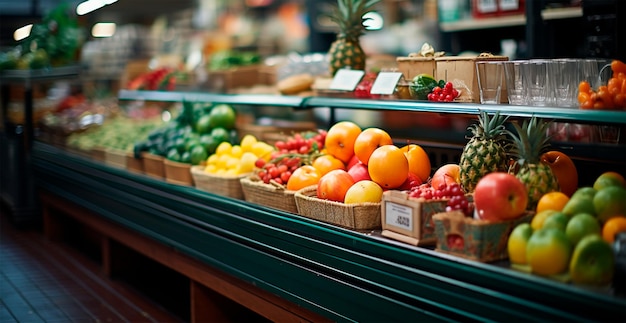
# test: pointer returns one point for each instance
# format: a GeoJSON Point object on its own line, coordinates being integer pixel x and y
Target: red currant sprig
{"type": "Point", "coordinates": [446, 94]}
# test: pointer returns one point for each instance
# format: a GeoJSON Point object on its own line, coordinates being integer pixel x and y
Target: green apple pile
{"type": "Point", "coordinates": [194, 135]}
{"type": "Point", "coordinates": [569, 242]}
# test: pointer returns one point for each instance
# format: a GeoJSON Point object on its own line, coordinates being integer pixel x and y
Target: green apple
{"type": "Point", "coordinates": [518, 240]}
{"type": "Point", "coordinates": [592, 261]}
{"type": "Point", "coordinates": [556, 220]}
{"type": "Point", "coordinates": [548, 252]}
{"type": "Point", "coordinates": [581, 225]}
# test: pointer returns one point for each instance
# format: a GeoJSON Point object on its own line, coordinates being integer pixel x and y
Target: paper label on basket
{"type": "Point", "coordinates": [386, 83]}
{"type": "Point", "coordinates": [346, 80]}
{"type": "Point", "coordinates": [398, 215]}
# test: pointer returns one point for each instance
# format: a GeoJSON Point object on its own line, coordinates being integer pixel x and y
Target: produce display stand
{"type": "Point", "coordinates": [301, 269]}
{"type": "Point", "coordinates": [16, 183]}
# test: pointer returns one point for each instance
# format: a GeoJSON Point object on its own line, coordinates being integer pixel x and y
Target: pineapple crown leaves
{"type": "Point", "coordinates": [349, 16]}
{"type": "Point", "coordinates": [489, 128]}
{"type": "Point", "coordinates": [531, 140]}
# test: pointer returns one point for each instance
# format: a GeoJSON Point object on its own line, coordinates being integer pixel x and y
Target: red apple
{"type": "Point", "coordinates": [353, 161]}
{"type": "Point", "coordinates": [359, 172]}
{"type": "Point", "coordinates": [334, 185]}
{"type": "Point", "coordinates": [446, 175]}
{"type": "Point", "coordinates": [500, 196]}
{"type": "Point", "coordinates": [412, 180]}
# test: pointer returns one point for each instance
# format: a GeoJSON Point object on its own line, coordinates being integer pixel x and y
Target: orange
{"type": "Point", "coordinates": [326, 163]}
{"type": "Point", "coordinates": [609, 179]}
{"type": "Point", "coordinates": [552, 201]}
{"type": "Point", "coordinates": [388, 166]}
{"type": "Point", "coordinates": [419, 162]}
{"type": "Point", "coordinates": [368, 140]}
{"type": "Point", "coordinates": [340, 140]}
{"type": "Point", "coordinates": [302, 177]}
{"type": "Point", "coordinates": [612, 227]}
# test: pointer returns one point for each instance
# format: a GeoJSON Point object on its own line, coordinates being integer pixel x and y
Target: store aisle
{"type": "Point", "coordinates": [42, 281]}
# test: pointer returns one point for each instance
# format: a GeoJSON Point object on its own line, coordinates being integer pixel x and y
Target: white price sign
{"type": "Point", "coordinates": [386, 83]}
{"type": "Point", "coordinates": [398, 215]}
{"type": "Point", "coordinates": [346, 80]}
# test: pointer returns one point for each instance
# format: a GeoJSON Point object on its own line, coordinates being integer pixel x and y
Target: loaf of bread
{"type": "Point", "coordinates": [296, 83]}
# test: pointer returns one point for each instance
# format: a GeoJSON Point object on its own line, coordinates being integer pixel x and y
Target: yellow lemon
{"type": "Point", "coordinates": [223, 148]}
{"type": "Point", "coordinates": [246, 162]}
{"type": "Point", "coordinates": [236, 151]}
{"type": "Point", "coordinates": [247, 142]}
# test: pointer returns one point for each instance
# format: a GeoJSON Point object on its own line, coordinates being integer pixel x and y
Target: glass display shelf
{"type": "Point", "coordinates": [296, 102]}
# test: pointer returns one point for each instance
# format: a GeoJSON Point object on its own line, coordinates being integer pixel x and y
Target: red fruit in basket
{"type": "Point", "coordinates": [334, 185]}
{"type": "Point", "coordinates": [446, 175]}
{"type": "Point", "coordinates": [500, 196]}
{"type": "Point", "coordinates": [359, 172]}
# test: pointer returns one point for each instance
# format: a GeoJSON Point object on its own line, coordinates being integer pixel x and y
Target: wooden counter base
{"type": "Point", "coordinates": [208, 286]}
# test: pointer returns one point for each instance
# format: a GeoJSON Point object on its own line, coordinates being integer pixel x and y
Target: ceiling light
{"type": "Point", "coordinates": [103, 29]}
{"type": "Point", "coordinates": [88, 6]}
{"type": "Point", "coordinates": [22, 32]}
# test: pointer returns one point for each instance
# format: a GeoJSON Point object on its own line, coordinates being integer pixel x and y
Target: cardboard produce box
{"type": "Point", "coordinates": [461, 71]}
{"type": "Point", "coordinates": [412, 66]}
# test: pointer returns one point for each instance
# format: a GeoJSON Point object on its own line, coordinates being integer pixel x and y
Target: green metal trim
{"type": "Point", "coordinates": [338, 273]}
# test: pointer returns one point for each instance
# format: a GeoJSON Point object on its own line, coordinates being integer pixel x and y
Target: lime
{"type": "Point", "coordinates": [220, 134]}
{"type": "Point", "coordinates": [198, 154]}
{"type": "Point", "coordinates": [173, 155]}
{"type": "Point", "coordinates": [223, 115]}
{"type": "Point", "coordinates": [203, 125]}
{"type": "Point", "coordinates": [610, 201]}
{"type": "Point", "coordinates": [185, 157]}
{"type": "Point", "coordinates": [209, 143]}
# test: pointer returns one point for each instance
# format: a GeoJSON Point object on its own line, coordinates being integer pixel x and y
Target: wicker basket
{"type": "Point", "coordinates": [221, 185]}
{"type": "Point", "coordinates": [475, 239]}
{"type": "Point", "coordinates": [134, 164]}
{"type": "Point", "coordinates": [178, 173]}
{"type": "Point", "coordinates": [115, 157]}
{"type": "Point", "coordinates": [362, 216]}
{"type": "Point", "coordinates": [153, 165]}
{"type": "Point", "coordinates": [272, 195]}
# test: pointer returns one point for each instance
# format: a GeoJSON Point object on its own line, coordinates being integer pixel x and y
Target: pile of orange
{"type": "Point", "coordinates": [611, 96]}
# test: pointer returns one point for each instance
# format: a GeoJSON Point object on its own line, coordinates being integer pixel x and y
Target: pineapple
{"type": "Point", "coordinates": [530, 142]}
{"type": "Point", "coordinates": [346, 51]}
{"type": "Point", "coordinates": [485, 152]}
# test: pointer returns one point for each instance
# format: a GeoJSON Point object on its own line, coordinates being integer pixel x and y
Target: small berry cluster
{"type": "Point", "coordinates": [446, 94]}
{"type": "Point", "coordinates": [301, 143]}
{"type": "Point", "coordinates": [278, 170]}
{"type": "Point", "coordinates": [452, 192]}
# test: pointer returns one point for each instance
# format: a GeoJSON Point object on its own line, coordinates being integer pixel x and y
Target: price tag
{"type": "Point", "coordinates": [508, 5]}
{"type": "Point", "coordinates": [486, 6]}
{"type": "Point", "coordinates": [398, 215]}
{"type": "Point", "coordinates": [386, 83]}
{"type": "Point", "coordinates": [346, 80]}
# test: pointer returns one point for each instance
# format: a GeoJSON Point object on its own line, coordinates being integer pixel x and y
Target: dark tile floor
{"type": "Point", "coordinates": [41, 281]}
